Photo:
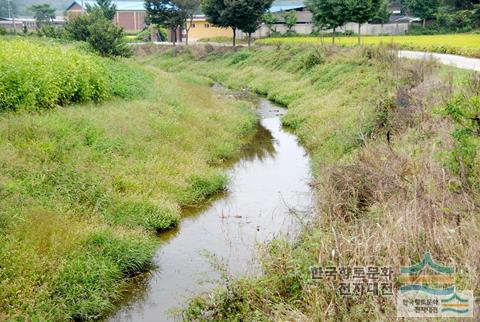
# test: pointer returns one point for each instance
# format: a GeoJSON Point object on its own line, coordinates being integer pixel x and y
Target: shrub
{"type": "Point", "coordinates": [100, 33]}
{"type": "Point", "coordinates": [51, 31]}
{"type": "Point", "coordinates": [464, 158]}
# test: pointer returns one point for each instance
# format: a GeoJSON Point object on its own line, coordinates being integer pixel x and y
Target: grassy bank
{"type": "Point", "coordinates": [83, 189]}
{"type": "Point", "coordinates": [37, 74]}
{"type": "Point", "coordinates": [458, 44]}
{"type": "Point", "coordinates": [394, 147]}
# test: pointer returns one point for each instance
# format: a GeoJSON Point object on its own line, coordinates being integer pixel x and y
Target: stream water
{"type": "Point", "coordinates": [268, 192]}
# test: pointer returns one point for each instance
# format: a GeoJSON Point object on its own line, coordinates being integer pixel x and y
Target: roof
{"type": "Point", "coordinates": [278, 5]}
{"type": "Point", "coordinates": [284, 5]}
{"type": "Point", "coordinates": [402, 18]}
{"type": "Point", "coordinates": [121, 5]}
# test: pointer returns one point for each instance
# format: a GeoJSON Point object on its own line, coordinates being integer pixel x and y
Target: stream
{"type": "Point", "coordinates": [268, 195]}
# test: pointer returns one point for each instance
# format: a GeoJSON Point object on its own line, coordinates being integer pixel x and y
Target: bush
{"type": "Point", "coordinates": [100, 33]}
{"type": "Point", "coordinates": [43, 74]}
{"type": "Point", "coordinates": [51, 31]}
{"type": "Point", "coordinates": [464, 158]}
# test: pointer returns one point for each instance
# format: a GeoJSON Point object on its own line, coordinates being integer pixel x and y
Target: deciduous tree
{"type": "Point", "coordinates": [43, 14]}
{"type": "Point", "coordinates": [269, 20]}
{"type": "Point", "coordinates": [224, 13]}
{"type": "Point", "coordinates": [423, 9]}
{"type": "Point", "coordinates": [361, 11]}
{"type": "Point", "coordinates": [329, 14]}
{"type": "Point", "coordinates": [290, 18]}
{"type": "Point", "coordinates": [166, 13]}
{"type": "Point", "coordinates": [252, 12]}
{"type": "Point", "coordinates": [190, 7]}
{"type": "Point", "coordinates": [383, 14]}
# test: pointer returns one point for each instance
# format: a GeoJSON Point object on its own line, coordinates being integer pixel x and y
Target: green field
{"type": "Point", "coordinates": [85, 187]}
{"type": "Point", "coordinates": [460, 44]}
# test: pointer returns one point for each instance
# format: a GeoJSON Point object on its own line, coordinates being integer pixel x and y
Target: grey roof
{"type": "Point", "coordinates": [121, 5]}
{"type": "Point", "coordinates": [284, 5]}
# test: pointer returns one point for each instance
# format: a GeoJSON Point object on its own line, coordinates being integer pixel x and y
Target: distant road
{"type": "Point", "coordinates": [451, 60]}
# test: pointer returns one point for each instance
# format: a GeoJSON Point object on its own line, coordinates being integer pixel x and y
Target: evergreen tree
{"type": "Point", "coordinates": [106, 7]}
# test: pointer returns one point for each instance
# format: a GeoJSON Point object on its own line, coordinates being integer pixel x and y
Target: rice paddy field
{"type": "Point", "coordinates": [459, 44]}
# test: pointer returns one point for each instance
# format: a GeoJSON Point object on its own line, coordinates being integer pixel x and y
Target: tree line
{"type": "Point", "coordinates": [244, 15]}
{"type": "Point", "coordinates": [445, 15]}
{"type": "Point", "coordinates": [332, 14]}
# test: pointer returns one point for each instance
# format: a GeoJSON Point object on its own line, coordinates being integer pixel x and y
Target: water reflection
{"type": "Point", "coordinates": [269, 179]}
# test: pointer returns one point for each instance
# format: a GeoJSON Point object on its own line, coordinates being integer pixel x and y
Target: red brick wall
{"type": "Point", "coordinates": [126, 20]}
{"type": "Point", "coordinates": [140, 20]}
{"type": "Point", "coordinates": [129, 20]}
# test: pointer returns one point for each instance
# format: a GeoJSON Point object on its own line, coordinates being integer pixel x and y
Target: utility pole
{"type": "Point", "coordinates": [12, 17]}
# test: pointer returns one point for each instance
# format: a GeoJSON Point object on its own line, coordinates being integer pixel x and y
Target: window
{"type": "Point", "coordinates": [193, 25]}
{"type": "Point", "coordinates": [207, 25]}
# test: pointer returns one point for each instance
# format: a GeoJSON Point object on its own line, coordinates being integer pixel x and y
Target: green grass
{"type": "Point", "coordinates": [83, 188]}
{"type": "Point", "coordinates": [40, 74]}
{"type": "Point", "coordinates": [459, 44]}
{"type": "Point", "coordinates": [381, 136]}
{"type": "Point", "coordinates": [301, 78]}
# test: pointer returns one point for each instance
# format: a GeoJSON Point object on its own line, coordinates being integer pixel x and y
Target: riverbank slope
{"type": "Point", "coordinates": [85, 187]}
{"type": "Point", "coordinates": [395, 147]}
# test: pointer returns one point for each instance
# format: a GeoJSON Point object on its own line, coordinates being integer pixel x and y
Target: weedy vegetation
{"type": "Point", "coordinates": [85, 187]}
{"type": "Point", "coordinates": [394, 147]}
{"type": "Point", "coordinates": [38, 74]}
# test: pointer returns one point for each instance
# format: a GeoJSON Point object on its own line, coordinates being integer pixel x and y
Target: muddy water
{"type": "Point", "coordinates": [267, 194]}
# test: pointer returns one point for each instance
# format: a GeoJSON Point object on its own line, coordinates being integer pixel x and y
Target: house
{"type": "Point", "coordinates": [130, 14]}
{"type": "Point", "coordinates": [200, 28]}
{"type": "Point", "coordinates": [29, 22]}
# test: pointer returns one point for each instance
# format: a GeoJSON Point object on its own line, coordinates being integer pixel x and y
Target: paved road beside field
{"type": "Point", "coordinates": [452, 60]}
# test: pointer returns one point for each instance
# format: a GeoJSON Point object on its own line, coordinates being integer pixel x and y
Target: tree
{"type": "Point", "coordinates": [476, 15]}
{"type": "Point", "coordinates": [382, 16]}
{"type": "Point", "coordinates": [43, 14]}
{"type": "Point", "coordinates": [361, 11]}
{"type": "Point", "coordinates": [95, 29]}
{"type": "Point", "coordinates": [106, 7]}
{"type": "Point", "coordinates": [423, 9]}
{"type": "Point", "coordinates": [190, 7]}
{"type": "Point", "coordinates": [269, 19]}
{"type": "Point", "coordinates": [290, 18]}
{"type": "Point", "coordinates": [224, 13]}
{"type": "Point", "coordinates": [166, 13]}
{"type": "Point", "coordinates": [252, 12]}
{"type": "Point", "coordinates": [329, 14]}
